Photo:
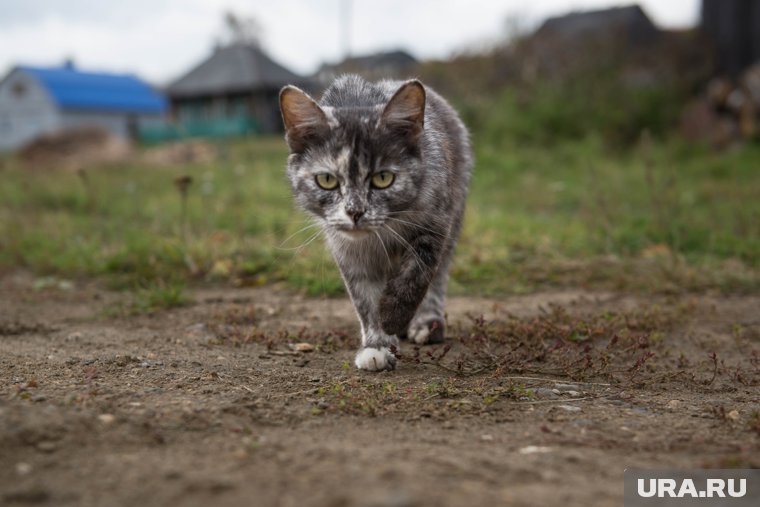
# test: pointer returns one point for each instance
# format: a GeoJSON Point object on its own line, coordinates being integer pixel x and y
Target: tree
{"type": "Point", "coordinates": [242, 29]}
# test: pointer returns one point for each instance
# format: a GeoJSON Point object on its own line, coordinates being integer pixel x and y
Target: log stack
{"type": "Point", "coordinates": [727, 112]}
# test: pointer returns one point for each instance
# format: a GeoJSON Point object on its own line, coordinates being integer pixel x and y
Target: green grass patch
{"type": "Point", "coordinates": [660, 216]}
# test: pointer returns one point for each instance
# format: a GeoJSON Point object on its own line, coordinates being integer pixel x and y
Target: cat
{"type": "Point", "coordinates": [385, 168]}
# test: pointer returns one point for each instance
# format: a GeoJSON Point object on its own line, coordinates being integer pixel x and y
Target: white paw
{"type": "Point", "coordinates": [419, 334]}
{"type": "Point", "coordinates": [372, 359]}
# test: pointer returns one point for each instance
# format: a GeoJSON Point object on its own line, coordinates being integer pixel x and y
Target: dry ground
{"type": "Point", "coordinates": [544, 402]}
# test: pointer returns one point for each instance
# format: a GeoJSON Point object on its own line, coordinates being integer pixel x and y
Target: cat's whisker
{"type": "Point", "coordinates": [410, 249]}
{"type": "Point", "coordinates": [423, 213]}
{"type": "Point", "coordinates": [380, 239]}
{"type": "Point", "coordinates": [282, 228]}
{"type": "Point", "coordinates": [304, 244]}
{"type": "Point", "coordinates": [306, 228]}
{"type": "Point", "coordinates": [431, 231]}
{"type": "Point", "coordinates": [311, 240]}
{"type": "Point", "coordinates": [421, 216]}
{"type": "Point", "coordinates": [407, 246]}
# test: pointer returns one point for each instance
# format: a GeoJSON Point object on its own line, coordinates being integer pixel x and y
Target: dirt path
{"type": "Point", "coordinates": [210, 404]}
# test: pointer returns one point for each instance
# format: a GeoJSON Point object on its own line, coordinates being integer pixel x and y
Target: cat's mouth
{"type": "Point", "coordinates": [354, 231]}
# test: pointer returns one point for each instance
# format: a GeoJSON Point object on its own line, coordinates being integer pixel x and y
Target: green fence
{"type": "Point", "coordinates": [223, 127]}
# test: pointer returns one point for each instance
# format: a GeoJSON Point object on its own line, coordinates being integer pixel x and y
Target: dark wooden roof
{"type": "Point", "coordinates": [629, 20]}
{"type": "Point", "coordinates": [232, 69]}
{"type": "Point", "coordinates": [398, 59]}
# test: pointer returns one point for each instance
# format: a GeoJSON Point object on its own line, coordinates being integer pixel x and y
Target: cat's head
{"type": "Point", "coordinates": [357, 168]}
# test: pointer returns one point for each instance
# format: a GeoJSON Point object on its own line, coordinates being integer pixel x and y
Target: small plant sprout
{"type": "Point", "coordinates": [183, 185]}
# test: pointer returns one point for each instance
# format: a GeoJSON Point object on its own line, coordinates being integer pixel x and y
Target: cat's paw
{"type": "Point", "coordinates": [372, 359]}
{"type": "Point", "coordinates": [426, 332]}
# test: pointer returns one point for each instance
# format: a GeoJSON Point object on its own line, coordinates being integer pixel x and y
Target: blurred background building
{"type": "Point", "coordinates": [382, 65]}
{"type": "Point", "coordinates": [733, 27]}
{"type": "Point", "coordinates": [642, 75]}
{"type": "Point", "coordinates": [232, 92]}
{"type": "Point", "coordinates": [38, 100]}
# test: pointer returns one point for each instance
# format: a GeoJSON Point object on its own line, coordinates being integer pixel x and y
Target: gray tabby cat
{"type": "Point", "coordinates": [384, 167]}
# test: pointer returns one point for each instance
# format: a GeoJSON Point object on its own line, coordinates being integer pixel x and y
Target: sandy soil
{"type": "Point", "coordinates": [212, 403]}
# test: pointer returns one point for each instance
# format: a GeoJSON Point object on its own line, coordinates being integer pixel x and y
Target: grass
{"type": "Point", "coordinates": [660, 216]}
{"type": "Point", "coordinates": [158, 296]}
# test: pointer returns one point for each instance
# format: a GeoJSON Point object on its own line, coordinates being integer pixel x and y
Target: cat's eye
{"type": "Point", "coordinates": [327, 181]}
{"type": "Point", "coordinates": [383, 179]}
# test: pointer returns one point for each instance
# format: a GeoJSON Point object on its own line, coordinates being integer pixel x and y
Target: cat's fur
{"type": "Point", "coordinates": [394, 245]}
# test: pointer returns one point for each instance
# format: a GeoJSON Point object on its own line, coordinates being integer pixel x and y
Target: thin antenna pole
{"type": "Point", "coordinates": [345, 25]}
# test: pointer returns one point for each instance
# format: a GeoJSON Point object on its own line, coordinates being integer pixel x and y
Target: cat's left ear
{"type": "Point", "coordinates": [305, 122]}
{"type": "Point", "coordinates": [405, 112]}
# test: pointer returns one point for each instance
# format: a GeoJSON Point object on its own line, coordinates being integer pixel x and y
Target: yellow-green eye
{"type": "Point", "coordinates": [383, 179]}
{"type": "Point", "coordinates": [327, 181]}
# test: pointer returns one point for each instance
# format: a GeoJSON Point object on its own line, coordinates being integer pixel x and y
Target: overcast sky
{"type": "Point", "coordinates": [161, 39]}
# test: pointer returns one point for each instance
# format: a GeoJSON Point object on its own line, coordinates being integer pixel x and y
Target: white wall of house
{"type": "Point", "coordinates": [116, 123]}
{"type": "Point", "coordinates": [123, 125]}
{"type": "Point", "coordinates": [26, 110]}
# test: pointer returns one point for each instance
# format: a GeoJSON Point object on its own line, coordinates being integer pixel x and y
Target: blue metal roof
{"type": "Point", "coordinates": [74, 89]}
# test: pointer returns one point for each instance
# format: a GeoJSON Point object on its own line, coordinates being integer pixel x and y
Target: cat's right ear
{"type": "Point", "coordinates": [304, 120]}
{"type": "Point", "coordinates": [405, 112]}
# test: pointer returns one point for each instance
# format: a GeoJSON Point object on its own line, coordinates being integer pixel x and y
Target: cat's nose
{"type": "Point", "coordinates": [355, 214]}
{"type": "Point", "coordinates": [355, 211]}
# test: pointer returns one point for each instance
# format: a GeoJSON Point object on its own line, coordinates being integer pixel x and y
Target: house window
{"type": "Point", "coordinates": [237, 107]}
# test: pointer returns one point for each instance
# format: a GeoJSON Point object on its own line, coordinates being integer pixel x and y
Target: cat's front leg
{"type": "Point", "coordinates": [377, 350]}
{"type": "Point", "coordinates": [404, 292]}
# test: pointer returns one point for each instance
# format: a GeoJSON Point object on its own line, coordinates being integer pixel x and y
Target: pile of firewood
{"type": "Point", "coordinates": [728, 111]}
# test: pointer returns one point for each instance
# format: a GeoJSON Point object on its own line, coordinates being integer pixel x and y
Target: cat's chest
{"type": "Point", "coordinates": [375, 256]}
